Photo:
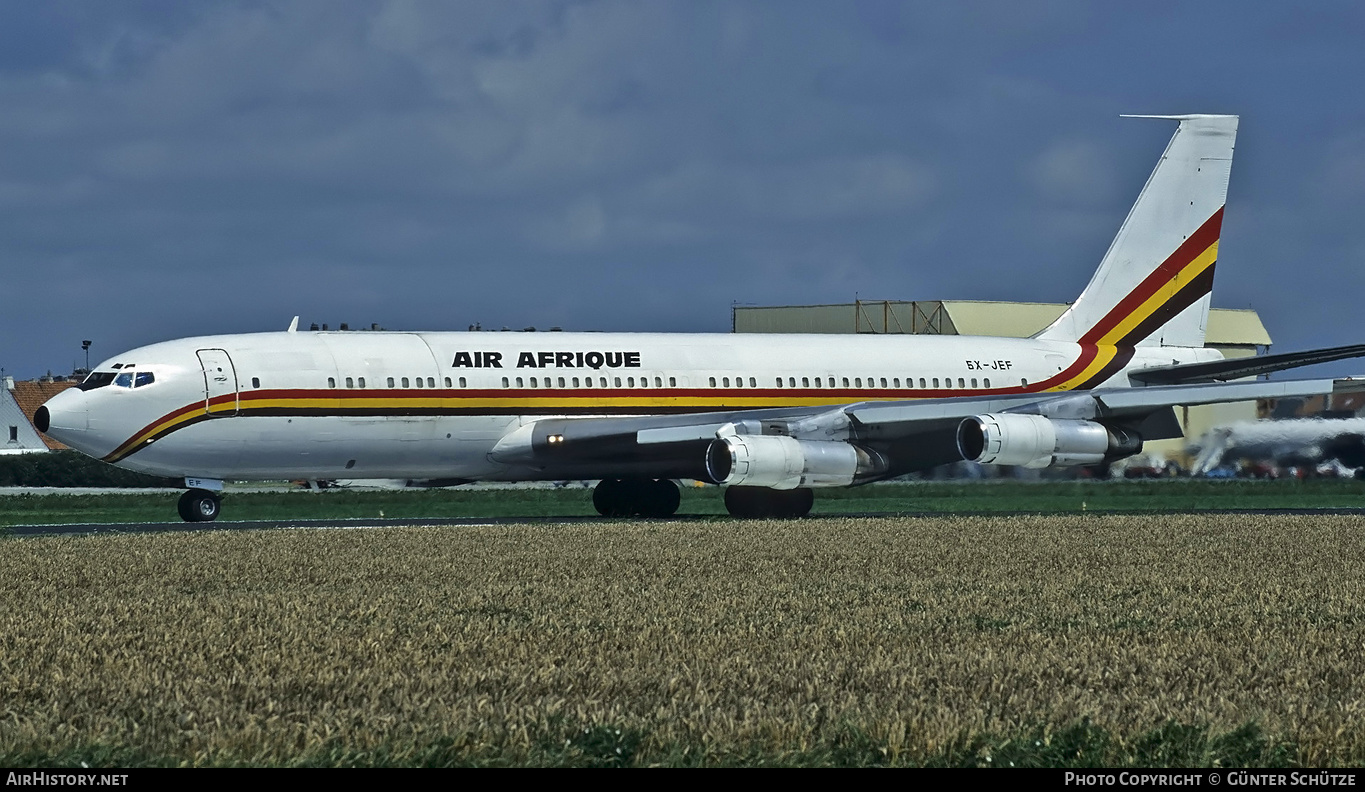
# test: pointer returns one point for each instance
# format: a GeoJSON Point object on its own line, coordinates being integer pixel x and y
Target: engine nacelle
{"type": "Point", "coordinates": [1036, 442]}
{"type": "Point", "coordinates": [784, 463]}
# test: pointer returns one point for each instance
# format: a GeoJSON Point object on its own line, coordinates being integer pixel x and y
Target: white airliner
{"type": "Point", "coordinates": [772, 417]}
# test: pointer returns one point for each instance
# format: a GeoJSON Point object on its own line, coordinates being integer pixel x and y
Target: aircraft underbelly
{"type": "Point", "coordinates": [322, 447]}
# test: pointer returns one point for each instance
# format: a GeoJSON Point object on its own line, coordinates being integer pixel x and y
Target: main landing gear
{"type": "Point", "coordinates": [199, 505]}
{"type": "Point", "coordinates": [636, 497]}
{"type": "Point", "coordinates": [758, 502]}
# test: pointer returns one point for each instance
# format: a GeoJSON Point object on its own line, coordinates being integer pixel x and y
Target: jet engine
{"type": "Point", "coordinates": [784, 463]}
{"type": "Point", "coordinates": [1034, 441]}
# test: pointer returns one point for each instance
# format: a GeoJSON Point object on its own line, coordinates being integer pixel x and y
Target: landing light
{"type": "Point", "coordinates": [555, 439]}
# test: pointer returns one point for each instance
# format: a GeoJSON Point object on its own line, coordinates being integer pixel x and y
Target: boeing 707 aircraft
{"type": "Point", "coordinates": [771, 417]}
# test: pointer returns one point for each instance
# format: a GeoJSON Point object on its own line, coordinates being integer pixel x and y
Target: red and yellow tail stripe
{"type": "Point", "coordinates": [1177, 283]}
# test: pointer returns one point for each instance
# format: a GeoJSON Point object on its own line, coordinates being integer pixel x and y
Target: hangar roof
{"type": "Point", "coordinates": [1227, 327]}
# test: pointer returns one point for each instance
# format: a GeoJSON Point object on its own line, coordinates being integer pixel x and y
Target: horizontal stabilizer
{"type": "Point", "coordinates": [1236, 368]}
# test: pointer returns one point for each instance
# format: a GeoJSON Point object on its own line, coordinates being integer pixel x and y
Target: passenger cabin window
{"type": "Point", "coordinates": [658, 382]}
{"type": "Point", "coordinates": [255, 382]}
{"type": "Point", "coordinates": [988, 382]}
{"type": "Point", "coordinates": [405, 382]}
{"type": "Point", "coordinates": [331, 382]}
{"type": "Point", "coordinates": [712, 381]}
{"type": "Point", "coordinates": [857, 382]}
{"type": "Point", "coordinates": [961, 383]}
{"type": "Point", "coordinates": [630, 382]}
{"type": "Point", "coordinates": [896, 383]}
{"type": "Point", "coordinates": [361, 382]}
{"type": "Point", "coordinates": [448, 382]}
{"type": "Point", "coordinates": [419, 382]}
{"type": "Point", "coordinates": [779, 382]}
{"type": "Point", "coordinates": [973, 382]}
{"type": "Point", "coordinates": [672, 382]}
{"type": "Point", "coordinates": [805, 382]}
{"type": "Point", "coordinates": [603, 381]}
{"type": "Point", "coordinates": [725, 381]}
{"type": "Point", "coordinates": [791, 382]}
{"type": "Point", "coordinates": [616, 381]}
{"type": "Point", "coordinates": [504, 382]}
{"type": "Point", "coordinates": [533, 382]}
{"type": "Point", "coordinates": [935, 382]}
{"type": "Point", "coordinates": [921, 382]}
{"type": "Point", "coordinates": [520, 383]}
{"type": "Point", "coordinates": [817, 382]}
{"type": "Point", "coordinates": [350, 383]}
{"type": "Point", "coordinates": [431, 382]}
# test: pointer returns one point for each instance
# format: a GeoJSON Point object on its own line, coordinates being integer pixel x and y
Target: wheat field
{"type": "Point", "coordinates": [946, 640]}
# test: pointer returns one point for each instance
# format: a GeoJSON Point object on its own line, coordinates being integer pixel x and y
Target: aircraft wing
{"type": "Point", "coordinates": [905, 435]}
{"type": "Point", "coordinates": [1236, 368]}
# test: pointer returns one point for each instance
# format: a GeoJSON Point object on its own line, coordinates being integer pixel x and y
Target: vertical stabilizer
{"type": "Point", "coordinates": [1153, 286]}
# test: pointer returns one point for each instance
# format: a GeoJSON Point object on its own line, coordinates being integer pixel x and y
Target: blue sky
{"type": "Point", "coordinates": [173, 169]}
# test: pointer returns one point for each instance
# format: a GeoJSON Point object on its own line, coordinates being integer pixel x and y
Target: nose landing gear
{"type": "Point", "coordinates": [199, 505]}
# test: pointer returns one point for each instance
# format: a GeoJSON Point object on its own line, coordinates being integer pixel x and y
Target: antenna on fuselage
{"type": "Point", "coordinates": [293, 326]}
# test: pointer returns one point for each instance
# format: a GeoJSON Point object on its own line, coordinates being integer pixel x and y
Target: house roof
{"type": "Point", "coordinates": [30, 395]}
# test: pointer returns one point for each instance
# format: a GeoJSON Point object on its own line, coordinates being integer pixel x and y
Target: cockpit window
{"type": "Point", "coordinates": [97, 379]}
{"type": "Point", "coordinates": [143, 378]}
{"type": "Point", "coordinates": [124, 380]}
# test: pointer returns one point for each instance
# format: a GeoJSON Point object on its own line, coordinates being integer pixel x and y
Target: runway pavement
{"type": "Point", "coordinates": [363, 523]}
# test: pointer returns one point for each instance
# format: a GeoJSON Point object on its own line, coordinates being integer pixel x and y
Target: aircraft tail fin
{"type": "Point", "coordinates": [1153, 285]}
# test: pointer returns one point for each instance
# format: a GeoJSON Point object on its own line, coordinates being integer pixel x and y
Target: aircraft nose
{"type": "Point", "coordinates": [62, 415]}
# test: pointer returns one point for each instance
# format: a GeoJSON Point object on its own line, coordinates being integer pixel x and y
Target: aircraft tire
{"type": "Point", "coordinates": [797, 503]}
{"type": "Point", "coordinates": [198, 505]}
{"type": "Point", "coordinates": [753, 503]}
{"type": "Point", "coordinates": [607, 497]}
{"type": "Point", "coordinates": [636, 498]}
{"type": "Point", "coordinates": [663, 499]}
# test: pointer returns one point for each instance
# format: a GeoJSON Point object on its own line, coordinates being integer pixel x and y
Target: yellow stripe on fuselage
{"type": "Point", "coordinates": [1103, 355]}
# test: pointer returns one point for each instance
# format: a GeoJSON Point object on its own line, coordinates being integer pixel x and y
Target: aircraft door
{"type": "Point", "coordinates": [220, 383]}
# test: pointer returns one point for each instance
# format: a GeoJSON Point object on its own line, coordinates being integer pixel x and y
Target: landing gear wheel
{"type": "Point", "coordinates": [607, 498]}
{"type": "Point", "coordinates": [760, 502]}
{"type": "Point", "coordinates": [636, 498]}
{"type": "Point", "coordinates": [199, 506]}
{"type": "Point", "coordinates": [662, 499]}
